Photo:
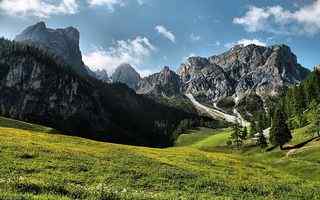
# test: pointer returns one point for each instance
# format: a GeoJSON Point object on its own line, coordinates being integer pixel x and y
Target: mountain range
{"type": "Point", "coordinates": [46, 81]}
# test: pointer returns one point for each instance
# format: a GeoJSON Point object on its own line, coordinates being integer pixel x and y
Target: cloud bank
{"type": "Point", "coordinates": [276, 19]}
{"type": "Point", "coordinates": [133, 51]}
{"type": "Point", "coordinates": [38, 8]}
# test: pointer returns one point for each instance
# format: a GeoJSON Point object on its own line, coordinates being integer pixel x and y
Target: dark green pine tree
{"type": "Point", "coordinates": [317, 120]}
{"type": "Point", "coordinates": [280, 133]}
{"type": "Point", "coordinates": [262, 141]}
{"type": "Point", "coordinates": [236, 136]}
{"type": "Point", "coordinates": [299, 103]}
{"type": "Point", "coordinates": [244, 133]}
{"type": "Point", "coordinates": [253, 129]}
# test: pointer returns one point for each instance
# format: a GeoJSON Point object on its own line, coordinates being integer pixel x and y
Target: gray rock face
{"type": "Point", "coordinates": [243, 70]}
{"type": "Point", "coordinates": [62, 42]}
{"type": "Point", "coordinates": [164, 83]}
{"type": "Point", "coordinates": [102, 75]}
{"type": "Point", "coordinates": [126, 74]}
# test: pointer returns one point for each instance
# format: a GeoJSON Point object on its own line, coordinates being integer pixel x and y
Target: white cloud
{"type": "Point", "coordinates": [166, 33]}
{"type": "Point", "coordinates": [276, 19]}
{"type": "Point", "coordinates": [38, 8]}
{"type": "Point", "coordinates": [133, 52]}
{"type": "Point", "coordinates": [246, 42]}
{"type": "Point", "coordinates": [110, 4]}
{"type": "Point", "coordinates": [194, 37]}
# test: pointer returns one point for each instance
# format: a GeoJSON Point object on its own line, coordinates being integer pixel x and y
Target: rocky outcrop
{"type": "Point", "coordinates": [165, 83]}
{"type": "Point", "coordinates": [200, 77]}
{"type": "Point", "coordinates": [241, 71]}
{"type": "Point", "coordinates": [126, 74]}
{"type": "Point", "coordinates": [64, 43]}
{"type": "Point", "coordinates": [34, 87]}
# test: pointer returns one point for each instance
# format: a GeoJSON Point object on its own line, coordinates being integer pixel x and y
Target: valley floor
{"type": "Point", "coordinates": [38, 163]}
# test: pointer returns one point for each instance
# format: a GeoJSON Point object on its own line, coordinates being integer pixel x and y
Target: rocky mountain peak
{"type": "Point", "coordinates": [40, 26]}
{"type": "Point", "coordinates": [102, 75]}
{"type": "Point", "coordinates": [164, 83]}
{"type": "Point", "coordinates": [63, 42]}
{"type": "Point", "coordinates": [126, 74]}
{"type": "Point", "coordinates": [72, 33]}
{"type": "Point", "coordinates": [166, 69]}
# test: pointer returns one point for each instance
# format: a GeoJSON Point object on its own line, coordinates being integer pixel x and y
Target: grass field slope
{"type": "Point", "coordinates": [38, 163]}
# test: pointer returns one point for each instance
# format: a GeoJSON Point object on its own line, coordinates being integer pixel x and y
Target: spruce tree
{"type": "Point", "coordinates": [236, 136]}
{"type": "Point", "coordinates": [253, 129]}
{"type": "Point", "coordinates": [280, 133]}
{"type": "Point", "coordinates": [244, 133]}
{"type": "Point", "coordinates": [262, 141]}
{"type": "Point", "coordinates": [317, 121]}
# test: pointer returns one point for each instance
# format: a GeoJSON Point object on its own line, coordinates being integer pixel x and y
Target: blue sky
{"type": "Point", "coordinates": [152, 33]}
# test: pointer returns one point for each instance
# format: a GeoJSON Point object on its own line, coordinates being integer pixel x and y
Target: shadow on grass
{"type": "Point", "coordinates": [12, 123]}
{"type": "Point", "coordinates": [297, 146]}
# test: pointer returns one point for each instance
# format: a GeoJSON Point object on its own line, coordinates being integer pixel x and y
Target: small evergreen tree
{"type": "Point", "coordinates": [236, 136]}
{"type": "Point", "coordinates": [280, 133]}
{"type": "Point", "coordinates": [317, 121]}
{"type": "Point", "coordinates": [244, 133]}
{"type": "Point", "coordinates": [253, 129]}
{"type": "Point", "coordinates": [262, 141]}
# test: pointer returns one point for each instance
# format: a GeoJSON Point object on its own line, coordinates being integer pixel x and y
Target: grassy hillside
{"type": "Point", "coordinates": [38, 163]}
{"type": "Point", "coordinates": [205, 138]}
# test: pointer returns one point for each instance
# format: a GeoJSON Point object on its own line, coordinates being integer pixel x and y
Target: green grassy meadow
{"type": "Point", "coordinates": [38, 163]}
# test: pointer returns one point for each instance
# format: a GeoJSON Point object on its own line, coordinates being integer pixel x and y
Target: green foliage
{"type": "Point", "coordinates": [253, 129]}
{"type": "Point", "coordinates": [280, 133]}
{"type": "Point", "coordinates": [244, 133]}
{"type": "Point", "coordinates": [252, 104]}
{"type": "Point", "coordinates": [300, 98]}
{"type": "Point", "coordinates": [236, 136]}
{"type": "Point", "coordinates": [317, 120]}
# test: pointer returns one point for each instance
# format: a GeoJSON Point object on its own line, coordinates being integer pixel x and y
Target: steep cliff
{"type": "Point", "coordinates": [63, 42]}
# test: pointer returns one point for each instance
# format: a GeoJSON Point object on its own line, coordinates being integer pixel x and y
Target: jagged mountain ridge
{"type": "Point", "coordinates": [243, 70]}
{"type": "Point", "coordinates": [242, 76]}
{"type": "Point", "coordinates": [36, 88]}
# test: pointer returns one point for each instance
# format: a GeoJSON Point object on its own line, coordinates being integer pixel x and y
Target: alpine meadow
{"type": "Point", "coordinates": [159, 99]}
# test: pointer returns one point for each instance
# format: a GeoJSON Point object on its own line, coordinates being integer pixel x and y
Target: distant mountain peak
{"type": "Point", "coordinates": [166, 82]}
{"type": "Point", "coordinates": [41, 25]}
{"type": "Point", "coordinates": [102, 75]}
{"type": "Point", "coordinates": [166, 68]}
{"type": "Point", "coordinates": [126, 74]}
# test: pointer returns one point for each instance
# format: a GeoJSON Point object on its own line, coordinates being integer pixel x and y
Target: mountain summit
{"type": "Point", "coordinates": [126, 74]}
{"type": "Point", "coordinates": [166, 83]}
{"type": "Point", "coordinates": [63, 43]}
{"type": "Point", "coordinates": [243, 70]}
